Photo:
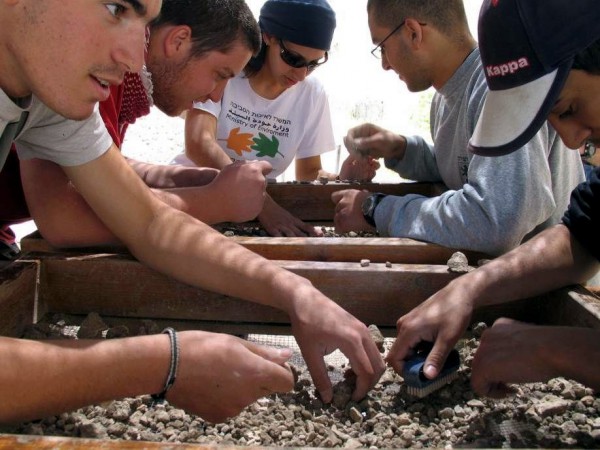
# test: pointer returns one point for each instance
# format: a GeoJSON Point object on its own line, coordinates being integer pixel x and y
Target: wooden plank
{"type": "Point", "coordinates": [119, 287]}
{"type": "Point", "coordinates": [28, 442]}
{"type": "Point", "coordinates": [18, 282]}
{"type": "Point", "coordinates": [342, 249]}
{"type": "Point", "coordinates": [347, 249]}
{"type": "Point", "coordinates": [312, 202]}
{"type": "Point", "coordinates": [115, 286]}
{"type": "Point", "coordinates": [572, 306]}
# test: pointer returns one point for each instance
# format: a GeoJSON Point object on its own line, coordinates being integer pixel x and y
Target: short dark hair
{"type": "Point", "coordinates": [216, 24]}
{"type": "Point", "coordinates": [589, 59]}
{"type": "Point", "coordinates": [447, 16]}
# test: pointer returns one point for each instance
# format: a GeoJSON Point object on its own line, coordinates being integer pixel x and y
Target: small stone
{"type": "Point", "coordinates": [364, 262]}
{"type": "Point", "coordinates": [458, 263]}
{"type": "Point", "coordinates": [355, 415]}
{"type": "Point", "coordinates": [377, 337]}
{"type": "Point", "coordinates": [388, 264]}
{"type": "Point", "coordinates": [551, 408]}
{"type": "Point", "coordinates": [323, 180]}
{"type": "Point", "coordinates": [92, 327]}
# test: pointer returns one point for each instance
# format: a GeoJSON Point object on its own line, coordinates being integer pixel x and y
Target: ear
{"type": "Point", "coordinates": [414, 31]}
{"type": "Point", "coordinates": [268, 39]}
{"type": "Point", "coordinates": [178, 41]}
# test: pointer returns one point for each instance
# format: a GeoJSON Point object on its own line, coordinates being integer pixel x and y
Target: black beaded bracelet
{"type": "Point", "coordinates": [160, 397]}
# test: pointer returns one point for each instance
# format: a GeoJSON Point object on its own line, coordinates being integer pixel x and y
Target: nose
{"type": "Point", "coordinates": [385, 63]}
{"type": "Point", "coordinates": [572, 133]}
{"type": "Point", "coordinates": [217, 93]}
{"type": "Point", "coordinates": [301, 73]}
{"type": "Point", "coordinates": [131, 48]}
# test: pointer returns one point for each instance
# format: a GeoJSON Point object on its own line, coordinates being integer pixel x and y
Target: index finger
{"type": "Point", "coordinates": [400, 350]}
{"type": "Point", "coordinates": [368, 366]}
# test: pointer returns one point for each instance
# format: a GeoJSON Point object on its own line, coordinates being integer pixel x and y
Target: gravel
{"type": "Point", "coordinates": [560, 413]}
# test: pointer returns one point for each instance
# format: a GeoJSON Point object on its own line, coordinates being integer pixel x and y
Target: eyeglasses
{"type": "Point", "coordinates": [378, 51]}
{"type": "Point", "coordinates": [297, 61]}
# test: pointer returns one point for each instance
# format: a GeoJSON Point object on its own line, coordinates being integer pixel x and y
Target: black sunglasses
{"type": "Point", "coordinates": [297, 61]}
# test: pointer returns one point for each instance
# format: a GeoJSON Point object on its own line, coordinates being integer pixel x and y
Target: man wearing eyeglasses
{"type": "Point", "coordinates": [491, 205]}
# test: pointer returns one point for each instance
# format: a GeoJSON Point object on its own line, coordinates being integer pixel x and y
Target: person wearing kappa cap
{"type": "Point", "coordinates": [542, 60]}
{"type": "Point", "coordinates": [429, 44]}
{"type": "Point", "coordinates": [275, 111]}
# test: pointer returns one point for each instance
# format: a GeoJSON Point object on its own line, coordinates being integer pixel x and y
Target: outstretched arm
{"type": "Point", "coordinates": [84, 372]}
{"type": "Point", "coordinates": [182, 247]}
{"type": "Point", "coordinates": [236, 194]}
{"type": "Point", "coordinates": [550, 260]}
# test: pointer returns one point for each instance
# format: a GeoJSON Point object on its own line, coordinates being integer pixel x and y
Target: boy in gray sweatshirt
{"type": "Point", "coordinates": [492, 204]}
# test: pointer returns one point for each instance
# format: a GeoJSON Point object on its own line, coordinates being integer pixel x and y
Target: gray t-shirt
{"type": "Point", "coordinates": [47, 135]}
{"type": "Point", "coordinates": [493, 204]}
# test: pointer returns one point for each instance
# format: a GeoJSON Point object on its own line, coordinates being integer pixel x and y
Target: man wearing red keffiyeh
{"type": "Point", "coordinates": [193, 49]}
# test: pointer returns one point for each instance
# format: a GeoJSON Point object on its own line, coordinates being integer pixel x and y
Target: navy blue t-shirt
{"type": "Point", "coordinates": [583, 216]}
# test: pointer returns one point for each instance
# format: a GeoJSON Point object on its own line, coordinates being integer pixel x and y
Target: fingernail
{"type": "Point", "coordinates": [430, 370]}
{"type": "Point", "coordinates": [285, 352]}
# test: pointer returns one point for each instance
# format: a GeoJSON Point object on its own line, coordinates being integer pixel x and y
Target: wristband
{"type": "Point", "coordinates": [160, 397]}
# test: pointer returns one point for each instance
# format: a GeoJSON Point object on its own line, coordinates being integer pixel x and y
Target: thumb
{"type": "Point", "coordinates": [436, 359]}
{"type": "Point", "coordinates": [265, 166]}
{"type": "Point", "coordinates": [276, 355]}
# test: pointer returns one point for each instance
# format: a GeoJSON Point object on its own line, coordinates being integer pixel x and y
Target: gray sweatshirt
{"type": "Point", "coordinates": [492, 203]}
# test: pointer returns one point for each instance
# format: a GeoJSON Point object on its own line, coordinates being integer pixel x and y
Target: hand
{"type": "Point", "coordinates": [359, 169]}
{"type": "Point", "coordinates": [219, 375]}
{"type": "Point", "coordinates": [279, 222]}
{"type": "Point", "coordinates": [240, 190]}
{"type": "Point", "coordinates": [513, 352]}
{"type": "Point", "coordinates": [348, 211]}
{"type": "Point", "coordinates": [371, 140]}
{"type": "Point", "coordinates": [441, 319]}
{"type": "Point", "coordinates": [320, 327]}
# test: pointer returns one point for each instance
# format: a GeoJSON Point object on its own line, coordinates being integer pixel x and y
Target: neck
{"type": "Point", "coordinates": [265, 85]}
{"type": "Point", "coordinates": [452, 55]}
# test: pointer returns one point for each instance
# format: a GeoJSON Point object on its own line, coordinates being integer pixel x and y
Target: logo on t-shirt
{"type": "Point", "coordinates": [246, 142]}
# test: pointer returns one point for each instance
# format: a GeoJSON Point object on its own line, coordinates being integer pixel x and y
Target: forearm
{"type": "Point", "coordinates": [61, 214]}
{"type": "Point", "coordinates": [40, 378]}
{"type": "Point", "coordinates": [200, 256]}
{"type": "Point", "coordinates": [550, 260]}
{"type": "Point", "coordinates": [167, 176]}
{"type": "Point", "coordinates": [204, 203]}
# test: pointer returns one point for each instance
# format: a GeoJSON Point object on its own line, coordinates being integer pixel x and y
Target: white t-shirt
{"type": "Point", "coordinates": [47, 135]}
{"type": "Point", "coordinates": [297, 124]}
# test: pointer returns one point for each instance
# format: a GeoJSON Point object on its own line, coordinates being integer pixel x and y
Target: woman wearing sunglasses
{"type": "Point", "coordinates": [274, 111]}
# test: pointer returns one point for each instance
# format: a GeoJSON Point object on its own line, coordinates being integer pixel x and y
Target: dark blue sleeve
{"type": "Point", "coordinates": [583, 215]}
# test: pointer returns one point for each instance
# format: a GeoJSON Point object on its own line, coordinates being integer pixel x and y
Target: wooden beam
{"type": "Point", "coordinates": [116, 286]}
{"type": "Point", "coordinates": [119, 287]}
{"type": "Point", "coordinates": [312, 202]}
{"type": "Point", "coordinates": [18, 284]}
{"type": "Point", "coordinates": [347, 249]}
{"type": "Point", "coordinates": [334, 249]}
